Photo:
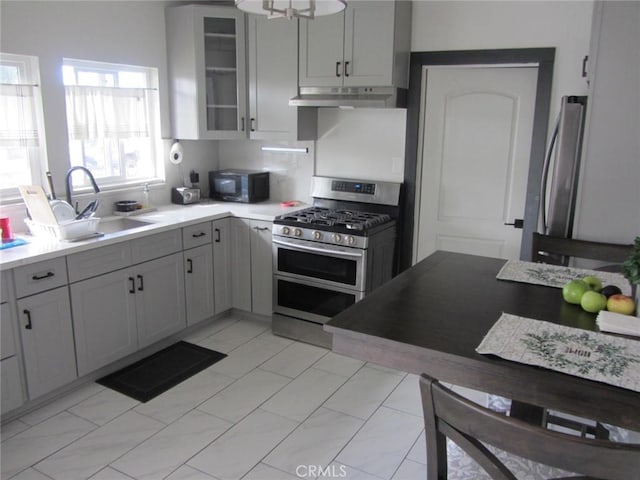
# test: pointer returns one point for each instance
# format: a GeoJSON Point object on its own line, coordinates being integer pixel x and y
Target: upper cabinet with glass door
{"type": "Point", "coordinates": [207, 72]}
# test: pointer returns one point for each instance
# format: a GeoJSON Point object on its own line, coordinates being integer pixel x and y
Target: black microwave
{"type": "Point", "coordinates": [233, 185]}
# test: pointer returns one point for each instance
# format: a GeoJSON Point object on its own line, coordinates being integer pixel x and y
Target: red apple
{"type": "Point", "coordinates": [621, 304]}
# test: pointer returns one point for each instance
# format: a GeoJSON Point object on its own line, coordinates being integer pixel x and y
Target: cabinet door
{"type": "Point", "coordinates": [47, 341]}
{"type": "Point", "coordinates": [273, 80]}
{"type": "Point", "coordinates": [104, 319]}
{"type": "Point", "coordinates": [11, 385]}
{"type": "Point", "coordinates": [321, 51]}
{"type": "Point", "coordinates": [222, 264]}
{"type": "Point", "coordinates": [207, 70]}
{"type": "Point", "coordinates": [7, 339]}
{"type": "Point", "coordinates": [261, 267]}
{"type": "Point", "coordinates": [241, 262]}
{"type": "Point", "coordinates": [198, 283]}
{"type": "Point", "coordinates": [369, 43]}
{"type": "Point", "coordinates": [160, 302]}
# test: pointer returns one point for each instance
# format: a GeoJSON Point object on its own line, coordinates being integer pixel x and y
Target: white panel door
{"type": "Point", "coordinates": [475, 158]}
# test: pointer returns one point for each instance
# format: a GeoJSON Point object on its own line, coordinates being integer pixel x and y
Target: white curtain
{"type": "Point", "coordinates": [18, 124]}
{"type": "Point", "coordinates": [103, 112]}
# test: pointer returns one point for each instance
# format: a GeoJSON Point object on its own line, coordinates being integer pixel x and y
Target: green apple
{"type": "Point", "coordinates": [573, 290]}
{"type": "Point", "coordinates": [594, 283]}
{"type": "Point", "coordinates": [593, 302]}
{"type": "Point", "coordinates": [621, 304]}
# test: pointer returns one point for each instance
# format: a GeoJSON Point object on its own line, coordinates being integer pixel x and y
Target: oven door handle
{"type": "Point", "coordinates": [318, 250]}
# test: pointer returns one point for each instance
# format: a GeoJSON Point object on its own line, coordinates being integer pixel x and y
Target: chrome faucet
{"type": "Point", "coordinates": [93, 183]}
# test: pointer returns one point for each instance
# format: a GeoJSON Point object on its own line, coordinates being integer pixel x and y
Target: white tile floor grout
{"type": "Point", "coordinates": [273, 409]}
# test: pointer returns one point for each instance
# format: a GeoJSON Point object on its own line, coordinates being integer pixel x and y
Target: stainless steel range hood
{"type": "Point", "coordinates": [351, 97]}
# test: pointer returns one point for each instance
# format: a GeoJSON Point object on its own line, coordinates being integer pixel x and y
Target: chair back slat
{"type": "Point", "coordinates": [597, 458]}
{"type": "Point", "coordinates": [548, 249]}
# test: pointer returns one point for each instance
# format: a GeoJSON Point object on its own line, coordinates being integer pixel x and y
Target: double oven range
{"type": "Point", "coordinates": [329, 256]}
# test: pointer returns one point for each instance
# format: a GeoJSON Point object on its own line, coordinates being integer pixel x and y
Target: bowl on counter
{"type": "Point", "coordinates": [126, 206]}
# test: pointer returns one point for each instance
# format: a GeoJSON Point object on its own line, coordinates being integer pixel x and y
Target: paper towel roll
{"type": "Point", "coordinates": [176, 153]}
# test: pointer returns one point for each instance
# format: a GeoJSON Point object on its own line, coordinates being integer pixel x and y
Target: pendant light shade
{"type": "Point", "coordinates": [292, 8]}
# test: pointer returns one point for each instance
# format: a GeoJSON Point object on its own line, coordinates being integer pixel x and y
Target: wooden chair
{"type": "Point", "coordinates": [471, 426]}
{"type": "Point", "coordinates": [557, 251]}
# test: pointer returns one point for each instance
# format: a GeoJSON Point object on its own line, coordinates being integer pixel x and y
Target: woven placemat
{"type": "Point", "coordinates": [556, 275]}
{"type": "Point", "coordinates": [582, 353]}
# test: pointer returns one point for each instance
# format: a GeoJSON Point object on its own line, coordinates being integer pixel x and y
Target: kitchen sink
{"type": "Point", "coordinates": [119, 224]}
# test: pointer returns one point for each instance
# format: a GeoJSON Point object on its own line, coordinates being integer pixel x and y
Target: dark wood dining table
{"type": "Point", "coordinates": [431, 317]}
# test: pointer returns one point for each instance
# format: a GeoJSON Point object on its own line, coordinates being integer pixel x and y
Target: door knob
{"type": "Point", "coordinates": [517, 223]}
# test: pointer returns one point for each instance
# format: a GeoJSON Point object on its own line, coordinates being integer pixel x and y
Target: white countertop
{"type": "Point", "coordinates": [164, 218]}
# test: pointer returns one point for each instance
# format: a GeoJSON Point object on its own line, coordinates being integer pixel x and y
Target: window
{"type": "Point", "coordinates": [113, 122]}
{"type": "Point", "coordinates": [22, 152]}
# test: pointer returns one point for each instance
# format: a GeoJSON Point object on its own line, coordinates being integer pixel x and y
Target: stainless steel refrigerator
{"type": "Point", "coordinates": [561, 170]}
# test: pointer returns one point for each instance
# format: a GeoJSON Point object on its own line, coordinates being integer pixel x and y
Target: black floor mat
{"type": "Point", "coordinates": [157, 373]}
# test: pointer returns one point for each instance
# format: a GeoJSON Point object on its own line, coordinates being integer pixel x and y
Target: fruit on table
{"type": "Point", "coordinates": [573, 290]}
{"type": "Point", "coordinates": [594, 282]}
{"type": "Point", "coordinates": [609, 290]}
{"type": "Point", "coordinates": [593, 301]}
{"type": "Point", "coordinates": [621, 304]}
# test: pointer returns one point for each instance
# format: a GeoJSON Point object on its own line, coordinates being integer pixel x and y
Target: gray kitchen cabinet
{"type": "Point", "coordinates": [104, 319]}
{"type": "Point", "coordinates": [273, 80]}
{"type": "Point", "coordinates": [611, 150]}
{"type": "Point", "coordinates": [222, 264]}
{"type": "Point", "coordinates": [207, 72]}
{"type": "Point", "coordinates": [240, 233]}
{"type": "Point", "coordinates": [252, 275]}
{"type": "Point", "coordinates": [11, 388]}
{"type": "Point", "coordinates": [47, 340]}
{"type": "Point", "coordinates": [198, 283]}
{"type": "Point", "coordinates": [366, 45]}
{"type": "Point", "coordinates": [160, 298]}
{"type": "Point", "coordinates": [119, 308]}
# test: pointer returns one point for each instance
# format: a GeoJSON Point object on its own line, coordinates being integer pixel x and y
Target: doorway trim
{"type": "Point", "coordinates": [543, 59]}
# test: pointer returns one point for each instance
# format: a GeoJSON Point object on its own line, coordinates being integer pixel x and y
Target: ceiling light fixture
{"type": "Point", "coordinates": [292, 8]}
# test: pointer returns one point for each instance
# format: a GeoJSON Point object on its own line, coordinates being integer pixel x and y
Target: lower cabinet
{"type": "Point", "coordinates": [47, 340]}
{"type": "Point", "coordinates": [117, 313]}
{"type": "Point", "coordinates": [198, 283]}
{"type": "Point", "coordinates": [252, 274]}
{"type": "Point", "coordinates": [11, 392]}
{"type": "Point", "coordinates": [104, 319]}
{"type": "Point", "coordinates": [160, 299]}
{"type": "Point", "coordinates": [222, 264]}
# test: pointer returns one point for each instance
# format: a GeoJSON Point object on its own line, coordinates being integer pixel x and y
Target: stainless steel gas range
{"type": "Point", "coordinates": [329, 256]}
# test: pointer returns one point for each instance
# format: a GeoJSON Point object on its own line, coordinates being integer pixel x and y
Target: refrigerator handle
{"type": "Point", "coordinates": [542, 211]}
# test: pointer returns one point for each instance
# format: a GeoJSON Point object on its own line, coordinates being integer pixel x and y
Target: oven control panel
{"type": "Point", "coordinates": [353, 187]}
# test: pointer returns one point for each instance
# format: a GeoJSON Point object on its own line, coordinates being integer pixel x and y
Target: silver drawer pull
{"type": "Point", "coordinates": [42, 277]}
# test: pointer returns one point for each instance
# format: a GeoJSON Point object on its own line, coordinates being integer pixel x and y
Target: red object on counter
{"type": "Point", "coordinates": [5, 225]}
{"type": "Point", "coordinates": [290, 203]}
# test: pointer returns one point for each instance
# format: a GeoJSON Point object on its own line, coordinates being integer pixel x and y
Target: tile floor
{"type": "Point", "coordinates": [274, 409]}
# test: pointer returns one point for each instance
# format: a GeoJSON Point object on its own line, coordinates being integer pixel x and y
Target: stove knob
{"type": "Point", "coordinates": [317, 235]}
{"type": "Point", "coordinates": [297, 232]}
{"type": "Point", "coordinates": [285, 230]}
{"type": "Point", "coordinates": [351, 240]}
{"type": "Point", "coordinates": [337, 237]}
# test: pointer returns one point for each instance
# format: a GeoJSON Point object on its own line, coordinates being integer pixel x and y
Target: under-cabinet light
{"type": "Point", "coordinates": [285, 149]}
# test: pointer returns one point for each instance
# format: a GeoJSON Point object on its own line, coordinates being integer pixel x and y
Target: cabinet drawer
{"type": "Point", "coordinates": [7, 343]}
{"type": "Point", "coordinates": [39, 277]}
{"type": "Point", "coordinates": [155, 246]}
{"type": "Point", "coordinates": [196, 235]}
{"type": "Point", "coordinates": [92, 263]}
